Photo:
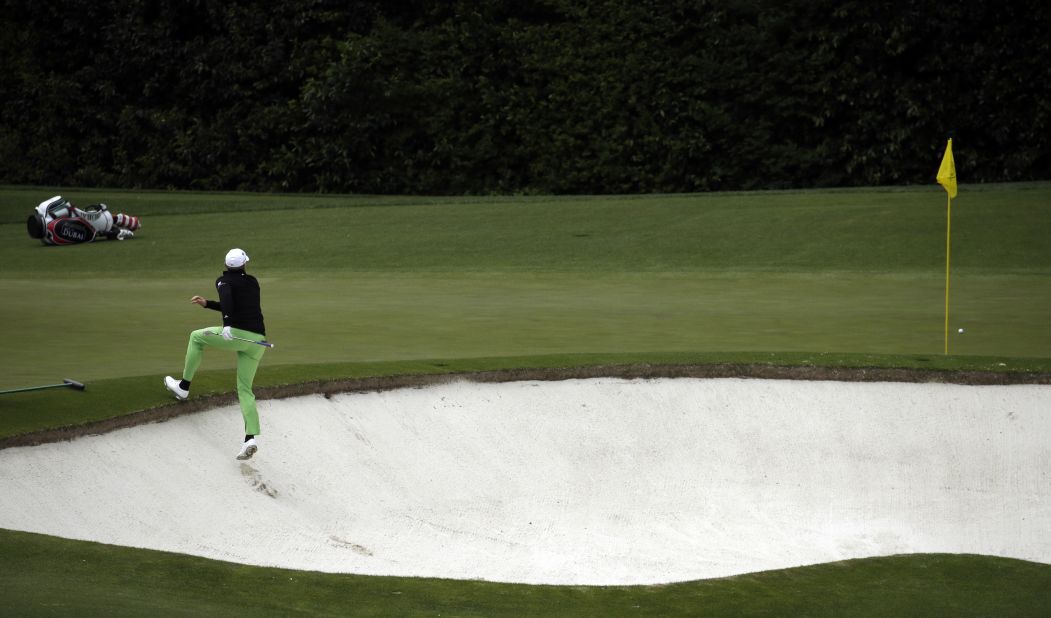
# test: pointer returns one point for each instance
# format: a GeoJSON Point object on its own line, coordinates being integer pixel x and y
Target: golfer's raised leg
{"type": "Point", "coordinates": [195, 349]}
{"type": "Point", "coordinates": [199, 340]}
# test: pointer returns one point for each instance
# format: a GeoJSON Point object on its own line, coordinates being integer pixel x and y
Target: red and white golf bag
{"type": "Point", "coordinates": [58, 222]}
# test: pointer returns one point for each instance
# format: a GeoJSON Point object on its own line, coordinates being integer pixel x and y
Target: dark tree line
{"type": "Point", "coordinates": [521, 96]}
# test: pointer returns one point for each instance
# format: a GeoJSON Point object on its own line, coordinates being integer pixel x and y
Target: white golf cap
{"type": "Point", "coordinates": [235, 258]}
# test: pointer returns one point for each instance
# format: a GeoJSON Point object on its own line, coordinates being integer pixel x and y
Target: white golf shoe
{"type": "Point", "coordinates": [248, 449]}
{"type": "Point", "coordinates": [173, 385]}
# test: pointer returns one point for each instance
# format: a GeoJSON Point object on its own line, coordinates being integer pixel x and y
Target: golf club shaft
{"type": "Point", "coordinates": [265, 344]}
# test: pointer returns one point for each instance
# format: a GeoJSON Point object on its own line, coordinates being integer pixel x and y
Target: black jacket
{"type": "Point", "coordinates": [239, 301]}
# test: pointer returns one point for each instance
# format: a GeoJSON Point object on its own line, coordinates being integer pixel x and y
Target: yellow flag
{"type": "Point", "coordinates": [947, 171]}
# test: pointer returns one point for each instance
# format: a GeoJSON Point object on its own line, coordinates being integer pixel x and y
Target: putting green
{"type": "Point", "coordinates": [118, 329]}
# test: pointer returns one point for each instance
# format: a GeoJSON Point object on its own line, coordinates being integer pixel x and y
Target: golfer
{"type": "Point", "coordinates": [239, 305]}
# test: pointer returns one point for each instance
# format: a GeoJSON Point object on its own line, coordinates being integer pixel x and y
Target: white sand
{"type": "Point", "coordinates": [603, 481]}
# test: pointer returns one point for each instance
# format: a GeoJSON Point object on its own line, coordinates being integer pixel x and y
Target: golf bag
{"type": "Point", "coordinates": [58, 222]}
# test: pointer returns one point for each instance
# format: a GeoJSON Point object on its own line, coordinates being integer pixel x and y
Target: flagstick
{"type": "Point", "coordinates": [947, 178]}
{"type": "Point", "coordinates": [948, 246]}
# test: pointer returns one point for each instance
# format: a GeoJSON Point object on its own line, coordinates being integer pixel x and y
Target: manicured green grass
{"type": "Point", "coordinates": [109, 328]}
{"type": "Point", "coordinates": [997, 228]}
{"type": "Point", "coordinates": [363, 286]}
{"type": "Point", "coordinates": [357, 279]}
{"type": "Point", "coordinates": [115, 581]}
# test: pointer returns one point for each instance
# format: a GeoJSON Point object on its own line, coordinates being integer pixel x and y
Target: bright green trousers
{"type": "Point", "coordinates": [248, 357]}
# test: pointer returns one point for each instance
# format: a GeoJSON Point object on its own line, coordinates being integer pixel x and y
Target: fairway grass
{"type": "Point", "coordinates": [98, 579]}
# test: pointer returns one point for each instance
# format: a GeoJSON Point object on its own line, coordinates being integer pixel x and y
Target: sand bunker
{"type": "Point", "coordinates": [603, 481]}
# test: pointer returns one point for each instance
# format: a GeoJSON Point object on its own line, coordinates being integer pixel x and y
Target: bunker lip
{"type": "Point", "coordinates": [626, 371]}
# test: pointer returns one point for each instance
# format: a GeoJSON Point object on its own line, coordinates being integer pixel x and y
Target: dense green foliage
{"type": "Point", "coordinates": [520, 96]}
{"type": "Point", "coordinates": [48, 576]}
